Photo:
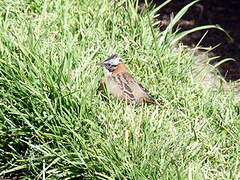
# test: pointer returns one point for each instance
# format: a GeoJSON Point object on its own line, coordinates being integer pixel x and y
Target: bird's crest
{"type": "Point", "coordinates": [111, 63]}
{"type": "Point", "coordinates": [113, 59]}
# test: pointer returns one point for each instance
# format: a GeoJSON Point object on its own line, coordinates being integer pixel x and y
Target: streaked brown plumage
{"type": "Point", "coordinates": [121, 84]}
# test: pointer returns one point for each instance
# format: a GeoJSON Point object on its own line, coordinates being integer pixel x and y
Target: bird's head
{"type": "Point", "coordinates": [111, 63]}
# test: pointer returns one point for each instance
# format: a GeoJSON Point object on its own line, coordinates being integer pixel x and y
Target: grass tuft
{"type": "Point", "coordinates": [53, 124]}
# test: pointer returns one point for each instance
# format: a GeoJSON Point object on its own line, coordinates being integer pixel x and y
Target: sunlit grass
{"type": "Point", "coordinates": [54, 125]}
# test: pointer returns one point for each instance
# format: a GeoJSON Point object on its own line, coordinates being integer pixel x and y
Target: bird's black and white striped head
{"type": "Point", "coordinates": [111, 63]}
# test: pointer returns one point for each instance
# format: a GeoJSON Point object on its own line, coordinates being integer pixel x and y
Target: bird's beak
{"type": "Point", "coordinates": [100, 64]}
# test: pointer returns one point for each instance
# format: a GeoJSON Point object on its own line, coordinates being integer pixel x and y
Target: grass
{"type": "Point", "coordinates": [53, 124]}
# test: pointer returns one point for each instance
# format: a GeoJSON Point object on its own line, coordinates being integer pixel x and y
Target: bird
{"type": "Point", "coordinates": [121, 84]}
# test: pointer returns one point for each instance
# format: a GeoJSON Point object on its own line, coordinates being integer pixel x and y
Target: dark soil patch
{"type": "Point", "coordinates": [221, 12]}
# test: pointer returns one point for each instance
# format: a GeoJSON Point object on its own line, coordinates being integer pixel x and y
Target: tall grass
{"type": "Point", "coordinates": [53, 124]}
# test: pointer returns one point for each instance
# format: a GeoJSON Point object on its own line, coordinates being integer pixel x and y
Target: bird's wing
{"type": "Point", "coordinates": [124, 85]}
{"type": "Point", "coordinates": [134, 84]}
{"type": "Point", "coordinates": [140, 93]}
{"type": "Point", "coordinates": [143, 88]}
{"type": "Point", "coordinates": [132, 89]}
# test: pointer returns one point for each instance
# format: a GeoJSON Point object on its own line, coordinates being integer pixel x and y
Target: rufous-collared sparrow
{"type": "Point", "coordinates": [121, 84]}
